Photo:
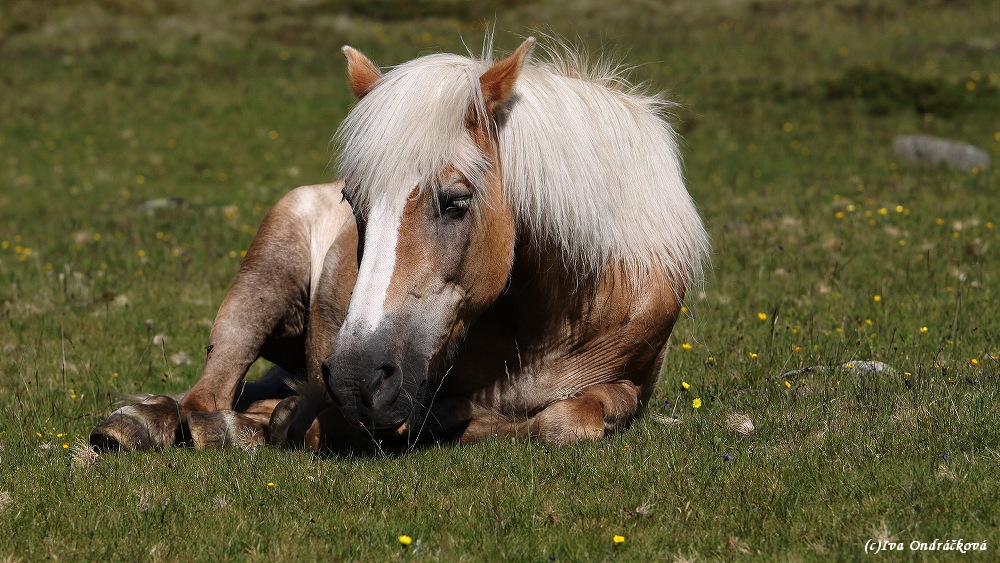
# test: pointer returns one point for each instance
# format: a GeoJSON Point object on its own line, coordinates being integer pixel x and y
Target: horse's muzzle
{"type": "Point", "coordinates": [372, 391]}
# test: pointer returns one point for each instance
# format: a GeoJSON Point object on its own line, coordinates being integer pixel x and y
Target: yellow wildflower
{"type": "Point", "coordinates": [696, 403]}
{"type": "Point", "coordinates": [686, 346]}
{"type": "Point", "coordinates": [685, 385]}
{"type": "Point", "coordinates": [405, 540]}
{"type": "Point", "coordinates": [618, 539]}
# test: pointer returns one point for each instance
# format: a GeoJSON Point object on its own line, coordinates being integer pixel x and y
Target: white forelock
{"type": "Point", "coordinates": [410, 126]}
{"type": "Point", "coordinates": [588, 163]}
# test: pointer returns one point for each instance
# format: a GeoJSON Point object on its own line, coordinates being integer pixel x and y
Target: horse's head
{"type": "Point", "coordinates": [420, 160]}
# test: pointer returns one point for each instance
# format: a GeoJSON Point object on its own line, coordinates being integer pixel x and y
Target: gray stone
{"type": "Point", "coordinates": [934, 151]}
{"type": "Point", "coordinates": [861, 367]}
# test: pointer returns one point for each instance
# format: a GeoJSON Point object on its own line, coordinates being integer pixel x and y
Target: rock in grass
{"type": "Point", "coordinates": [934, 151]}
{"type": "Point", "coordinates": [868, 367]}
{"type": "Point", "coordinates": [862, 367]}
{"type": "Point", "coordinates": [151, 205]}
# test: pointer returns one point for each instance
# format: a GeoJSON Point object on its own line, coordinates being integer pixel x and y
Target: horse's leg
{"type": "Point", "coordinates": [263, 313]}
{"type": "Point", "coordinates": [247, 423]}
{"type": "Point", "coordinates": [591, 414]}
{"type": "Point", "coordinates": [228, 428]}
{"type": "Point", "coordinates": [267, 302]}
{"type": "Point", "coordinates": [281, 413]}
{"type": "Point", "coordinates": [156, 422]}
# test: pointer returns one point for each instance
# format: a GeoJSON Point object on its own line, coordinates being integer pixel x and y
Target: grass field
{"type": "Point", "coordinates": [142, 141]}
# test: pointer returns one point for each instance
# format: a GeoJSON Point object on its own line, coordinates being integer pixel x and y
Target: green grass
{"type": "Point", "coordinates": [225, 106]}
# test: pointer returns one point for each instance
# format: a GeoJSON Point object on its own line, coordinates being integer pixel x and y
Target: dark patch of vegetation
{"type": "Point", "coordinates": [392, 10]}
{"type": "Point", "coordinates": [883, 91]}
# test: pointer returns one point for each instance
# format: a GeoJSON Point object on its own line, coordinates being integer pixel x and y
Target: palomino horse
{"type": "Point", "coordinates": [505, 256]}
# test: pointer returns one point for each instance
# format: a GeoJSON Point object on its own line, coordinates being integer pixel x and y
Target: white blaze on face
{"type": "Point", "coordinates": [377, 266]}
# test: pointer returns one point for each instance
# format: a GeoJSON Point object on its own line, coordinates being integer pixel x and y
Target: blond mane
{"type": "Point", "coordinates": [589, 164]}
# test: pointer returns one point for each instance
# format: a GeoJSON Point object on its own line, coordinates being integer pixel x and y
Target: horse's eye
{"type": "Point", "coordinates": [456, 207]}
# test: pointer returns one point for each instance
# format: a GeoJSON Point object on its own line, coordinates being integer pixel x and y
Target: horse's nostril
{"type": "Point", "coordinates": [373, 384]}
{"type": "Point", "coordinates": [379, 375]}
{"type": "Point", "coordinates": [384, 385]}
{"type": "Point", "coordinates": [387, 371]}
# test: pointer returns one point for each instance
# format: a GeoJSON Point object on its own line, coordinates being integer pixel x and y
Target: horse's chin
{"type": "Point", "coordinates": [386, 431]}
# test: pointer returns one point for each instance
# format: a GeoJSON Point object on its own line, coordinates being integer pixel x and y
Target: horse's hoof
{"type": "Point", "coordinates": [282, 430]}
{"type": "Point", "coordinates": [224, 428]}
{"type": "Point", "coordinates": [152, 424]}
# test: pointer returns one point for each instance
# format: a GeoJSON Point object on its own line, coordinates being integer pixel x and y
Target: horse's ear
{"type": "Point", "coordinates": [498, 82]}
{"type": "Point", "coordinates": [362, 72]}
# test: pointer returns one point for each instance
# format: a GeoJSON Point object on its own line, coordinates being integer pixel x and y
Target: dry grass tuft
{"type": "Point", "coordinates": [249, 439]}
{"type": "Point", "coordinates": [83, 454]}
{"type": "Point", "coordinates": [665, 420]}
{"type": "Point", "coordinates": [881, 533]}
{"type": "Point", "coordinates": [736, 545]}
{"type": "Point", "coordinates": [944, 471]}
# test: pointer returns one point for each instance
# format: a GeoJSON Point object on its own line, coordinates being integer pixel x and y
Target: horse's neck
{"type": "Point", "coordinates": [550, 330]}
{"type": "Point", "coordinates": [552, 306]}
{"type": "Point", "coordinates": [544, 291]}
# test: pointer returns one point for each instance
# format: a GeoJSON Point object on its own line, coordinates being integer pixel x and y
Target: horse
{"type": "Point", "coordinates": [505, 254]}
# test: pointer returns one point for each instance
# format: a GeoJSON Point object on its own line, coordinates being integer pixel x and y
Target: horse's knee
{"type": "Point", "coordinates": [208, 395]}
{"type": "Point", "coordinates": [570, 420]}
{"type": "Point", "coordinates": [619, 401]}
{"type": "Point", "coordinates": [590, 415]}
